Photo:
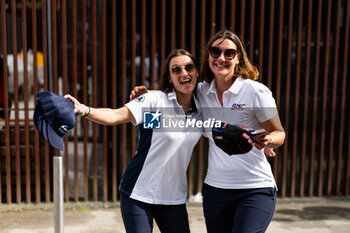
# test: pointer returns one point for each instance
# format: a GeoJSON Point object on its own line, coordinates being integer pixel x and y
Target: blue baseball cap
{"type": "Point", "coordinates": [54, 117]}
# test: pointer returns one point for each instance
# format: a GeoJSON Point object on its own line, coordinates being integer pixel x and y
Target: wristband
{"type": "Point", "coordinates": [270, 143]}
{"type": "Point", "coordinates": [84, 111]}
{"type": "Point", "coordinates": [88, 113]}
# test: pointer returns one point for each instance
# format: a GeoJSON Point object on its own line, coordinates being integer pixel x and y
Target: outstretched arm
{"type": "Point", "coordinates": [104, 116]}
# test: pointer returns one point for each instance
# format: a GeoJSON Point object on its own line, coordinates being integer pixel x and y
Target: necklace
{"type": "Point", "coordinates": [183, 104]}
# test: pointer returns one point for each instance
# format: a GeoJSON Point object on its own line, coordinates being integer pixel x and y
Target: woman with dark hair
{"type": "Point", "coordinates": [239, 192]}
{"type": "Point", "coordinates": [154, 185]}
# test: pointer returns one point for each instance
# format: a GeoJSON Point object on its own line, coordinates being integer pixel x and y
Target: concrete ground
{"type": "Point", "coordinates": [291, 215]}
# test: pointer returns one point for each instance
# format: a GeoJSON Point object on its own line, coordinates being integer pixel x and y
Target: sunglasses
{"type": "Point", "coordinates": [229, 54]}
{"type": "Point", "coordinates": [177, 69]}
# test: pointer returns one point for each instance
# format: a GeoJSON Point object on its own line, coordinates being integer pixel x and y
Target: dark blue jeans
{"type": "Point", "coordinates": [138, 217]}
{"type": "Point", "coordinates": [238, 210]}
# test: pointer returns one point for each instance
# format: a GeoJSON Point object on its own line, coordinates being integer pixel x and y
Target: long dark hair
{"type": "Point", "coordinates": [164, 82]}
{"type": "Point", "coordinates": [244, 68]}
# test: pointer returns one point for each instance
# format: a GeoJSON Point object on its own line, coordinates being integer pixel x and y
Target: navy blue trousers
{"type": "Point", "coordinates": [138, 217]}
{"type": "Point", "coordinates": [238, 210]}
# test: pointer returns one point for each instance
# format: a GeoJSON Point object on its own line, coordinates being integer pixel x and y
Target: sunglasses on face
{"type": "Point", "coordinates": [177, 69]}
{"type": "Point", "coordinates": [229, 54]}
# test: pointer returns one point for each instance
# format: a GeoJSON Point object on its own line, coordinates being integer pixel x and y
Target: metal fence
{"type": "Point", "coordinates": [99, 50]}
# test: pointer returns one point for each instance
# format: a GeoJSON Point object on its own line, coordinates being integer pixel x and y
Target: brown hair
{"type": "Point", "coordinates": [244, 68]}
{"type": "Point", "coordinates": [164, 82]}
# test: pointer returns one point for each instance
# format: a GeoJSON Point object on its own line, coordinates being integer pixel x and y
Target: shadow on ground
{"type": "Point", "coordinates": [312, 213]}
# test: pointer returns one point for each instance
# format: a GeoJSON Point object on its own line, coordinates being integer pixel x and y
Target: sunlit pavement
{"type": "Point", "coordinates": [291, 215]}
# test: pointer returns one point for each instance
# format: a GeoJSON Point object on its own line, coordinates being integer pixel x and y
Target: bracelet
{"type": "Point", "coordinates": [84, 111]}
{"type": "Point", "coordinates": [88, 112]}
{"type": "Point", "coordinates": [270, 143]}
{"type": "Point", "coordinates": [83, 114]}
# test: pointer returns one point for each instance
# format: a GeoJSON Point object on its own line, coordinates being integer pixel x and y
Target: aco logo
{"type": "Point", "coordinates": [140, 99]}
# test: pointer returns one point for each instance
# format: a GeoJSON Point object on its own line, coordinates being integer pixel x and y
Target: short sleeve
{"type": "Point", "coordinates": [264, 104]}
{"type": "Point", "coordinates": [141, 104]}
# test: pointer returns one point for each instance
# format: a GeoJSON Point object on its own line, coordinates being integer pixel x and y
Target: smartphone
{"type": "Point", "coordinates": [258, 133]}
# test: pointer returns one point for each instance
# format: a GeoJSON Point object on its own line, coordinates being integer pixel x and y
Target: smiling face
{"type": "Point", "coordinates": [183, 74]}
{"type": "Point", "coordinates": [223, 67]}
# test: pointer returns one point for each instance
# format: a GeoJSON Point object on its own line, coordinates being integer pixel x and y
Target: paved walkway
{"type": "Point", "coordinates": [291, 215]}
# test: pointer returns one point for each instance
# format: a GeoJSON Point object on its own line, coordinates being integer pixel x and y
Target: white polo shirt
{"type": "Point", "coordinates": [246, 103]}
{"type": "Point", "coordinates": [157, 172]}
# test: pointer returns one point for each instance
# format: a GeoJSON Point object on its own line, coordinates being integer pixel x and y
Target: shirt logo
{"type": "Point", "coordinates": [140, 99]}
{"type": "Point", "coordinates": [237, 106]}
{"type": "Point", "coordinates": [152, 119]}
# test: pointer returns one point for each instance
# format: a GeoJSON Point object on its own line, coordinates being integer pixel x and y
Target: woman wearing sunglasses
{"type": "Point", "coordinates": [239, 192]}
{"type": "Point", "coordinates": [154, 185]}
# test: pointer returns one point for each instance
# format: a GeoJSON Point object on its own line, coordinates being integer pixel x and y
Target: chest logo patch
{"type": "Point", "coordinates": [236, 106]}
